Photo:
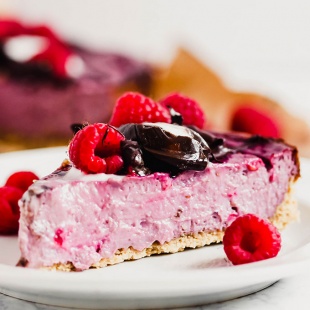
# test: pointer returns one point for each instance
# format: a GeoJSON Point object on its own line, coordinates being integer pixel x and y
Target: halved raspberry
{"type": "Point", "coordinates": [21, 179]}
{"type": "Point", "coordinates": [96, 149]}
{"type": "Point", "coordinates": [190, 110]}
{"type": "Point", "coordinates": [255, 121]}
{"type": "Point", "coordinates": [9, 210]}
{"type": "Point", "coordinates": [249, 239]}
{"type": "Point", "coordinates": [137, 108]}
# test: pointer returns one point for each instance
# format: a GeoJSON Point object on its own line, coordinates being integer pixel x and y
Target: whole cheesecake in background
{"type": "Point", "coordinates": [47, 84]}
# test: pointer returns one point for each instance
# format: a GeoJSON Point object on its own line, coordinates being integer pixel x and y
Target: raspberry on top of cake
{"type": "Point", "coordinates": [152, 185]}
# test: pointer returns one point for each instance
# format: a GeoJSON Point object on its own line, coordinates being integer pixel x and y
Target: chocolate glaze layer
{"type": "Point", "coordinates": [159, 150]}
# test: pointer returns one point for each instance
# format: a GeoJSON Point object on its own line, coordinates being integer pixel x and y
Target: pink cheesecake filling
{"type": "Point", "coordinates": [83, 219]}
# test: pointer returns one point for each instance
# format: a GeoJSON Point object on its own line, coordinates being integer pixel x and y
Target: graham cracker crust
{"type": "Point", "coordinates": [286, 213]}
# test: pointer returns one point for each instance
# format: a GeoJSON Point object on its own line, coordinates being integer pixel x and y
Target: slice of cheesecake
{"type": "Point", "coordinates": [193, 184]}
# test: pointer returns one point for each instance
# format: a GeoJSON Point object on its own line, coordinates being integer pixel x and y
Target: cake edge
{"type": "Point", "coordinates": [286, 213]}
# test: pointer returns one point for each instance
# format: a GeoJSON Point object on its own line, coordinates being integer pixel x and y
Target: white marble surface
{"type": "Point", "coordinates": [290, 293]}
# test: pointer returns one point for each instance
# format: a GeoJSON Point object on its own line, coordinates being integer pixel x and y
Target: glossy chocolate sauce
{"type": "Point", "coordinates": [152, 148]}
{"type": "Point", "coordinates": [162, 150]}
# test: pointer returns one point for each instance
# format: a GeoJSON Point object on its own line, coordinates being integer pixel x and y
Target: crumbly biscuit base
{"type": "Point", "coordinates": [286, 212]}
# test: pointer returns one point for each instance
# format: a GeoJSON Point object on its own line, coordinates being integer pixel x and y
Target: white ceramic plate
{"type": "Point", "coordinates": [193, 277]}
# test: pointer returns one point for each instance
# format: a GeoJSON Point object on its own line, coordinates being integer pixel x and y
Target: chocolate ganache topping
{"type": "Point", "coordinates": [161, 147]}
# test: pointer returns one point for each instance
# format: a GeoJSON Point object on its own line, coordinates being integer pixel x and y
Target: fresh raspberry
{"type": "Point", "coordinates": [190, 110]}
{"type": "Point", "coordinates": [10, 28]}
{"type": "Point", "coordinates": [249, 239]}
{"type": "Point", "coordinates": [55, 56]}
{"type": "Point", "coordinates": [96, 149]}
{"type": "Point", "coordinates": [21, 179]}
{"type": "Point", "coordinates": [255, 121]}
{"type": "Point", "coordinates": [137, 108]}
{"type": "Point", "coordinates": [9, 210]}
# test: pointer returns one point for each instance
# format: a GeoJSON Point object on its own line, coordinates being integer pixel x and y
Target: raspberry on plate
{"type": "Point", "coordinates": [9, 210]}
{"type": "Point", "coordinates": [137, 108]}
{"type": "Point", "coordinates": [249, 239]}
{"type": "Point", "coordinates": [96, 149]}
{"type": "Point", "coordinates": [190, 110]}
{"type": "Point", "coordinates": [21, 179]}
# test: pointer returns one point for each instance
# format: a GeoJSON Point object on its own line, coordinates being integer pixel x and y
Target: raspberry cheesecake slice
{"type": "Point", "coordinates": [152, 188]}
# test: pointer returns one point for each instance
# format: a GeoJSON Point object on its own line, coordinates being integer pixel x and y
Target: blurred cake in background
{"type": "Point", "coordinates": [229, 110]}
{"type": "Point", "coordinates": [46, 84]}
